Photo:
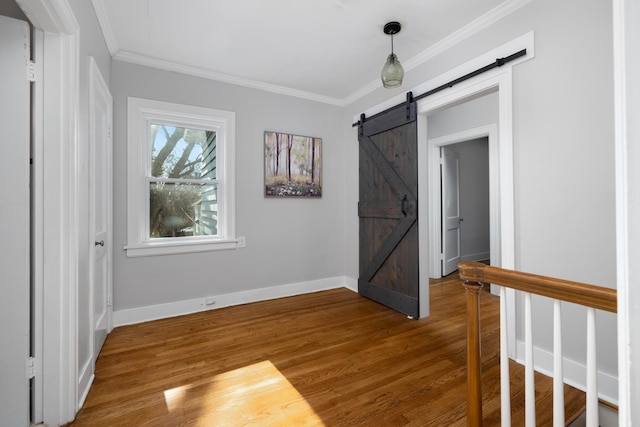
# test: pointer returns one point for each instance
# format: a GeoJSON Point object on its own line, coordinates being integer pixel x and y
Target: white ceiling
{"type": "Point", "coordinates": [327, 50]}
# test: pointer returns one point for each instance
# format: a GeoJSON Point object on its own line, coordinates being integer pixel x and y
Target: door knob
{"type": "Point", "coordinates": [100, 243]}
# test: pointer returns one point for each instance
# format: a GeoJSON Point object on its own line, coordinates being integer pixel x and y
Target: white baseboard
{"type": "Point", "coordinates": [178, 308]}
{"type": "Point", "coordinates": [85, 380]}
{"type": "Point", "coordinates": [351, 283]}
{"type": "Point", "coordinates": [575, 373]}
{"type": "Point", "coordinates": [480, 256]}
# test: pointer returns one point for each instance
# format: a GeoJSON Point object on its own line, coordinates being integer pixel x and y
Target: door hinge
{"type": "Point", "coordinates": [109, 131]}
{"type": "Point", "coordinates": [31, 71]}
{"type": "Point", "coordinates": [109, 301]}
{"type": "Point", "coordinates": [33, 367]}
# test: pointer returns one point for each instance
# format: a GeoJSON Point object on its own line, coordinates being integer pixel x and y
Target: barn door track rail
{"type": "Point", "coordinates": [499, 62]}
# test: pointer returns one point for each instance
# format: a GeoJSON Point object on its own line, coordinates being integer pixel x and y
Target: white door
{"type": "Point", "coordinates": [14, 222]}
{"type": "Point", "coordinates": [450, 210]}
{"type": "Point", "coordinates": [100, 120]}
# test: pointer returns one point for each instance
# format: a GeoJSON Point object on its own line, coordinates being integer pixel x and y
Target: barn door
{"type": "Point", "coordinates": [388, 209]}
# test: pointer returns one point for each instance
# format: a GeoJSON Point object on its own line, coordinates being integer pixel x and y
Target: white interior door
{"type": "Point", "coordinates": [450, 210]}
{"type": "Point", "coordinates": [101, 205]}
{"type": "Point", "coordinates": [14, 221]}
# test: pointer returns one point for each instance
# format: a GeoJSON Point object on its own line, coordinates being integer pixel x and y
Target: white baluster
{"type": "Point", "coordinates": [592, 370]}
{"type": "Point", "coordinates": [529, 381]}
{"type": "Point", "coordinates": [505, 390]}
{"type": "Point", "coordinates": [558, 375]}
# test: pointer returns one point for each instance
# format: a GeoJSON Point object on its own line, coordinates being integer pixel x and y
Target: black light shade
{"type": "Point", "coordinates": [392, 71]}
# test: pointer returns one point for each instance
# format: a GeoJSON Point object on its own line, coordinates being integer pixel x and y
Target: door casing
{"type": "Point", "coordinates": [435, 216]}
{"type": "Point", "coordinates": [500, 80]}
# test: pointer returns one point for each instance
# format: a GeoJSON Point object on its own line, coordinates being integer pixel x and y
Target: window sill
{"type": "Point", "coordinates": [175, 248]}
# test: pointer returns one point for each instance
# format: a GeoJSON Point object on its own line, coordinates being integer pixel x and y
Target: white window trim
{"type": "Point", "coordinates": [140, 113]}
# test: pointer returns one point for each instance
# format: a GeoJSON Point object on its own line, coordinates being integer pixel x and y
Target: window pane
{"type": "Point", "coordinates": [185, 153]}
{"type": "Point", "coordinates": [177, 210]}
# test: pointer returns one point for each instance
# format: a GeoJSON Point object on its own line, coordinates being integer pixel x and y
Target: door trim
{"type": "Point", "coordinates": [435, 216]}
{"type": "Point", "coordinates": [500, 80]}
{"type": "Point", "coordinates": [97, 88]}
{"type": "Point", "coordinates": [58, 167]}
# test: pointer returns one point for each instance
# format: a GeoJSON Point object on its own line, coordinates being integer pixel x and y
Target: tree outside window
{"type": "Point", "coordinates": [182, 186]}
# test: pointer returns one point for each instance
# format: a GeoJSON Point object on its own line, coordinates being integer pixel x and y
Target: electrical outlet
{"type": "Point", "coordinates": [242, 242]}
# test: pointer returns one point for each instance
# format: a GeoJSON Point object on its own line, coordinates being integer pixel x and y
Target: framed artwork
{"type": "Point", "coordinates": [292, 165]}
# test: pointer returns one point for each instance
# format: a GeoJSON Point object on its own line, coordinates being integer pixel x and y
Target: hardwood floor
{"type": "Point", "coordinates": [329, 358]}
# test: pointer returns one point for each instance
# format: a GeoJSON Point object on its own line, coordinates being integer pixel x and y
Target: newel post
{"type": "Point", "coordinates": [474, 369]}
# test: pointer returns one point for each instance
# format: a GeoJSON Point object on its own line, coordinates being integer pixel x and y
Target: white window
{"type": "Point", "coordinates": [180, 179]}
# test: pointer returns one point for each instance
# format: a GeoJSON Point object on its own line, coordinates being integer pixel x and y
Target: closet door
{"type": "Point", "coordinates": [14, 221]}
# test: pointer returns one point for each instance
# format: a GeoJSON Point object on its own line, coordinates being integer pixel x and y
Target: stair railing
{"type": "Point", "coordinates": [474, 276]}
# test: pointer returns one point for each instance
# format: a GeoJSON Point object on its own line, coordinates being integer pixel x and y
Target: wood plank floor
{"type": "Point", "coordinates": [329, 358]}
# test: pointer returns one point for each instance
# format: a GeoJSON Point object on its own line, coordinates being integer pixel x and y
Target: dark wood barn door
{"type": "Point", "coordinates": [388, 209]}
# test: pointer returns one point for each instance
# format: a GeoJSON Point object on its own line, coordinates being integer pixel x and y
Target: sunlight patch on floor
{"type": "Point", "coordinates": [253, 395]}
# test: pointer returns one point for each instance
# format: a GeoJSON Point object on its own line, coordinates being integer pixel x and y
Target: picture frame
{"type": "Point", "coordinates": [292, 165]}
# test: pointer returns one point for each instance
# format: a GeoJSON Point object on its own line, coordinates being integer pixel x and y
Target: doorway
{"type": "Point", "coordinates": [476, 237]}
{"type": "Point", "coordinates": [464, 200]}
{"type": "Point", "coordinates": [499, 133]}
{"type": "Point", "coordinates": [451, 129]}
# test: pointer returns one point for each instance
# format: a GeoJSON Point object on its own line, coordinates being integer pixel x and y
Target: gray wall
{"type": "Point", "coordinates": [288, 241]}
{"type": "Point", "coordinates": [11, 9]}
{"type": "Point", "coordinates": [563, 150]}
{"type": "Point", "coordinates": [477, 112]}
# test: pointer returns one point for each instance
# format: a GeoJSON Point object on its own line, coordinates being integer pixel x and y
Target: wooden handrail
{"type": "Point", "coordinates": [596, 297]}
{"type": "Point", "coordinates": [474, 275]}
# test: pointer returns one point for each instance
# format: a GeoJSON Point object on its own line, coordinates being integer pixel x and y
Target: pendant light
{"type": "Point", "coordinates": [392, 72]}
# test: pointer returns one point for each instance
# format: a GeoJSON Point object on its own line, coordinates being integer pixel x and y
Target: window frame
{"type": "Point", "coordinates": [141, 113]}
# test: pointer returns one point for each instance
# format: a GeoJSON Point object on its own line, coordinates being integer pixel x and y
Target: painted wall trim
{"type": "Point", "coordinates": [434, 207]}
{"type": "Point", "coordinates": [574, 372]}
{"type": "Point", "coordinates": [626, 65]}
{"type": "Point", "coordinates": [443, 45]}
{"type": "Point", "coordinates": [59, 170]}
{"type": "Point", "coordinates": [479, 256]}
{"type": "Point", "coordinates": [178, 308]}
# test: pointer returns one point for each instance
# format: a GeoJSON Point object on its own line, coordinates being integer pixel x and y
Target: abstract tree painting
{"type": "Point", "coordinates": [292, 165]}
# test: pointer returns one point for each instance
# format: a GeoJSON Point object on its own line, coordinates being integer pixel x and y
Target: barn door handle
{"type": "Point", "coordinates": [402, 205]}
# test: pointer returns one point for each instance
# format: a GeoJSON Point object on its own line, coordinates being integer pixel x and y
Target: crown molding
{"type": "Point", "coordinates": [105, 25]}
{"type": "Point", "coordinates": [467, 31]}
{"type": "Point", "coordinates": [147, 61]}
{"type": "Point", "coordinates": [479, 24]}
{"type": "Point", "coordinates": [443, 45]}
